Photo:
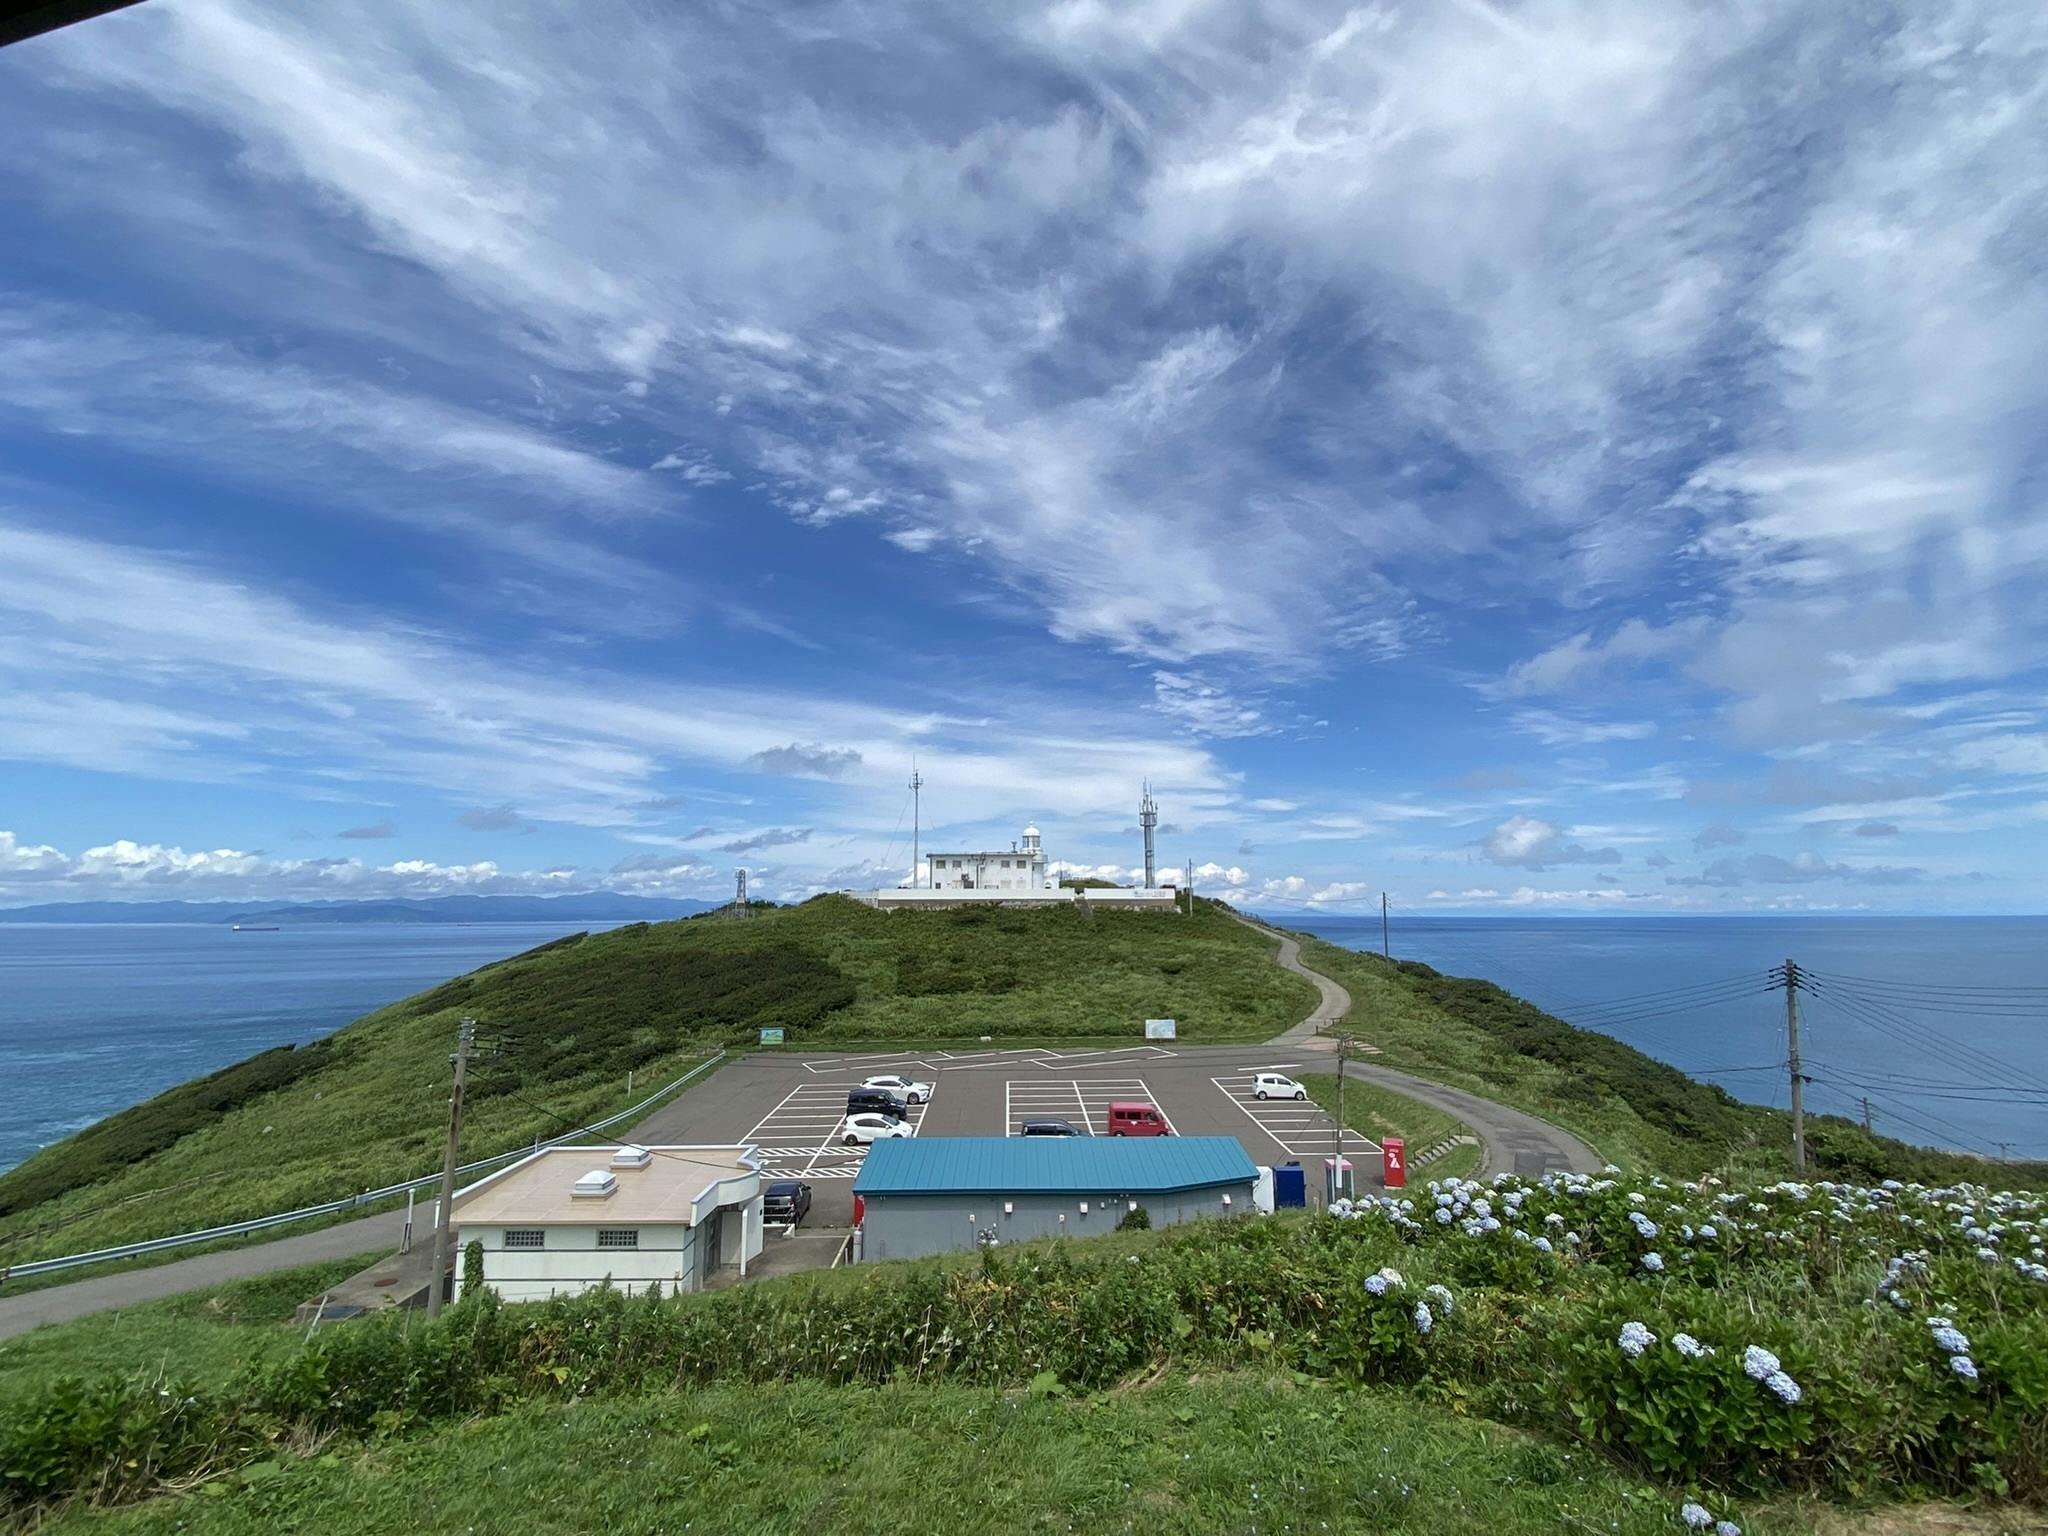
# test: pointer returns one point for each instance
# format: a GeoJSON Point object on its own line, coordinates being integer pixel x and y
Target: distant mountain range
{"type": "Point", "coordinates": [594, 907]}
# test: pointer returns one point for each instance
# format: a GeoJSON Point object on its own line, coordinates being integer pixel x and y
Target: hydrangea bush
{"type": "Point", "coordinates": [1847, 1334]}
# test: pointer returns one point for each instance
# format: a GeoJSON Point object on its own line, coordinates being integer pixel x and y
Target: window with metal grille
{"type": "Point", "coordinates": [527, 1237]}
{"type": "Point", "coordinates": [618, 1237]}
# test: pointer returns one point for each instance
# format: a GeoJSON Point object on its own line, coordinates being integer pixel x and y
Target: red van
{"type": "Point", "coordinates": [1134, 1119]}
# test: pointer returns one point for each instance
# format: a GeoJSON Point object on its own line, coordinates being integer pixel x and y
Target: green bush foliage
{"type": "Point", "coordinates": [1557, 1303]}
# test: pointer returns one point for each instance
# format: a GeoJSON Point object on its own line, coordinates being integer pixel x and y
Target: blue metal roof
{"type": "Point", "coordinates": [1052, 1165]}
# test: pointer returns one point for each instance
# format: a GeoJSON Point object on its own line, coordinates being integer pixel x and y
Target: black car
{"type": "Point", "coordinates": [1050, 1128]}
{"type": "Point", "coordinates": [875, 1101]}
{"type": "Point", "coordinates": [785, 1204]}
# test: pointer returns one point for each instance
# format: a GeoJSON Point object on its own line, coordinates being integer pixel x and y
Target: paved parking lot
{"type": "Point", "coordinates": [1295, 1127]}
{"type": "Point", "coordinates": [1082, 1102]}
{"type": "Point", "coordinates": [800, 1138]}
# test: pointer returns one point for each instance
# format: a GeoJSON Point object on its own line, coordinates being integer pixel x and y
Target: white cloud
{"type": "Point", "coordinates": [1558, 730]}
{"type": "Point", "coordinates": [1532, 843]}
{"type": "Point", "coordinates": [1204, 708]}
{"type": "Point", "coordinates": [308, 700]}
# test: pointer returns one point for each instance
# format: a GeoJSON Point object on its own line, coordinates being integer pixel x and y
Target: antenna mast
{"type": "Point", "coordinates": [916, 816]}
{"type": "Point", "coordinates": [1148, 818]}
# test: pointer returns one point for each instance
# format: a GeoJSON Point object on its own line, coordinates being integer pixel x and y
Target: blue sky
{"type": "Point", "coordinates": [1576, 457]}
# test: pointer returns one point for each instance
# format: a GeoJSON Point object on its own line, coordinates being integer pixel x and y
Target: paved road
{"type": "Point", "coordinates": [105, 1293]}
{"type": "Point", "coordinates": [1510, 1140]}
{"type": "Point", "coordinates": [1334, 1001]}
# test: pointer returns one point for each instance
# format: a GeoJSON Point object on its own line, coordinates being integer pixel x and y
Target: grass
{"type": "Point", "coordinates": [1380, 1112]}
{"type": "Point", "coordinates": [202, 1336]}
{"type": "Point", "coordinates": [571, 1020]}
{"type": "Point", "coordinates": [1230, 1453]}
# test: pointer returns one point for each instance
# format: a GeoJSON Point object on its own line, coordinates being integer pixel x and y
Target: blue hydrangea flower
{"type": "Point", "coordinates": [1963, 1366]}
{"type": "Point", "coordinates": [1635, 1338]}
{"type": "Point", "coordinates": [1758, 1363]}
{"type": "Point", "coordinates": [1786, 1388]}
{"type": "Point", "coordinates": [1424, 1318]}
{"type": "Point", "coordinates": [1441, 1297]}
{"type": "Point", "coordinates": [1654, 1263]}
{"type": "Point", "coordinates": [1376, 1285]}
{"type": "Point", "coordinates": [1443, 1217]}
{"type": "Point", "coordinates": [1689, 1346]}
{"type": "Point", "coordinates": [1951, 1341]}
{"type": "Point", "coordinates": [1695, 1517]}
{"type": "Point", "coordinates": [1727, 1528]}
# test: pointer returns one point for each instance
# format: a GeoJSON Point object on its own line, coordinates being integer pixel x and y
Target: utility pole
{"type": "Point", "coordinates": [1386, 945]}
{"type": "Point", "coordinates": [1866, 1114]}
{"type": "Point", "coordinates": [916, 818]}
{"type": "Point", "coordinates": [465, 1042]}
{"type": "Point", "coordinates": [1792, 1062]}
{"type": "Point", "coordinates": [1191, 887]}
{"type": "Point", "coordinates": [1337, 1132]}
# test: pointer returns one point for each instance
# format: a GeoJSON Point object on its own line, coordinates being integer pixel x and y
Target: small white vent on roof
{"type": "Point", "coordinates": [632, 1157]}
{"type": "Point", "coordinates": [596, 1185]}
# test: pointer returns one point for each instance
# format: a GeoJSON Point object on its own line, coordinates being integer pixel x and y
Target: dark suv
{"type": "Point", "coordinates": [1050, 1128]}
{"type": "Point", "coordinates": [785, 1204]}
{"type": "Point", "coordinates": [873, 1101]}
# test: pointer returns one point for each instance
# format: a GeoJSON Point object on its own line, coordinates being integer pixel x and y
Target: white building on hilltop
{"type": "Point", "coordinates": [1014, 877]}
{"type": "Point", "coordinates": [1021, 869]}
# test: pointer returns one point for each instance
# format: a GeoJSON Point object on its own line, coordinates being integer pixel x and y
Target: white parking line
{"type": "Point", "coordinates": [1153, 1099]}
{"type": "Point", "coordinates": [1300, 1126]}
{"type": "Point", "coordinates": [1087, 1120]}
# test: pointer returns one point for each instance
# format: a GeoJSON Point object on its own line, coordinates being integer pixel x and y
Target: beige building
{"type": "Point", "coordinates": [568, 1218]}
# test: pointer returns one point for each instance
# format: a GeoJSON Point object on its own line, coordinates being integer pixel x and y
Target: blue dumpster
{"type": "Point", "coordinates": [1290, 1186]}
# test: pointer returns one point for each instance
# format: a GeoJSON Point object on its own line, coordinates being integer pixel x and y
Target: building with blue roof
{"type": "Point", "coordinates": [933, 1195]}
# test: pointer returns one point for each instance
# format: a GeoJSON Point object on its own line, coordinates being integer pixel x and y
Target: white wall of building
{"type": "Point", "coordinates": [570, 1261]}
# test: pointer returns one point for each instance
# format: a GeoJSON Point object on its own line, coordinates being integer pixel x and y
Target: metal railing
{"type": "Point", "coordinates": [349, 1203]}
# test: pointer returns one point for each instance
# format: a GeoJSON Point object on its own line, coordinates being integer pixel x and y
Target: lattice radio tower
{"type": "Point", "coordinates": [1148, 818]}
{"type": "Point", "coordinates": [916, 820]}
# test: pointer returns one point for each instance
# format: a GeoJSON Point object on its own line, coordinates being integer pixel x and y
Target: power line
{"type": "Point", "coordinates": [1752, 979]}
{"type": "Point", "coordinates": [1925, 986]}
{"type": "Point", "coordinates": [1887, 1020]}
{"type": "Point", "coordinates": [1948, 1127]}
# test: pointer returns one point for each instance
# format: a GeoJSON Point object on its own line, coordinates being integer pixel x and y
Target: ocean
{"type": "Point", "coordinates": [1941, 1023]}
{"type": "Point", "coordinates": [94, 1018]}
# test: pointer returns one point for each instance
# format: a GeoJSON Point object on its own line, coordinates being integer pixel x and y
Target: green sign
{"type": "Point", "coordinates": [771, 1037]}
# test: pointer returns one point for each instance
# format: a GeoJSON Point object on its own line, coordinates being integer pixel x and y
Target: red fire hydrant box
{"type": "Point", "coordinates": [1394, 1162]}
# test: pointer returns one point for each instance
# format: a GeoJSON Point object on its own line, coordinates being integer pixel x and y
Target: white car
{"type": "Point", "coordinates": [902, 1087]}
{"type": "Point", "coordinates": [861, 1129]}
{"type": "Point", "coordinates": [1276, 1085]}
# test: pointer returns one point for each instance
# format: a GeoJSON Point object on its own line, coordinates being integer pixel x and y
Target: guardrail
{"type": "Point", "coordinates": [352, 1202]}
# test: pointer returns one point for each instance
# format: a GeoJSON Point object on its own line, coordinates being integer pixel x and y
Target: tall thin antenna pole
{"type": "Point", "coordinates": [916, 820]}
{"type": "Point", "coordinates": [1148, 818]}
{"type": "Point", "coordinates": [1386, 944]}
{"type": "Point", "coordinates": [1191, 887]}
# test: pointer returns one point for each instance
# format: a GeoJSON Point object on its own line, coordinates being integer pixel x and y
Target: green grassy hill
{"type": "Point", "coordinates": [365, 1107]}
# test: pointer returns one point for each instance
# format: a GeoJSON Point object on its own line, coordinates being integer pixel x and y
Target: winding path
{"type": "Point", "coordinates": [1511, 1140]}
